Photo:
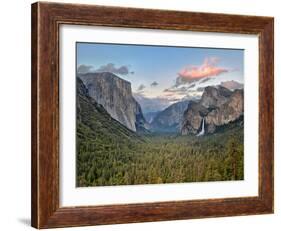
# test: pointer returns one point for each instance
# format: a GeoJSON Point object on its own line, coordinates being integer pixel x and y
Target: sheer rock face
{"type": "Point", "coordinates": [115, 95]}
{"type": "Point", "coordinates": [169, 119]}
{"type": "Point", "coordinates": [218, 105]}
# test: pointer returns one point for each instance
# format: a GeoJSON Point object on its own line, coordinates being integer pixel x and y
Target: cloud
{"type": "Point", "coordinates": [154, 84]}
{"type": "Point", "coordinates": [179, 90]}
{"type": "Point", "coordinates": [191, 86]}
{"type": "Point", "coordinates": [175, 91]}
{"type": "Point", "coordinates": [183, 93]}
{"type": "Point", "coordinates": [200, 89]}
{"type": "Point", "coordinates": [194, 95]}
{"type": "Point", "coordinates": [141, 87]}
{"type": "Point", "coordinates": [205, 80]}
{"type": "Point", "coordinates": [110, 67]}
{"type": "Point", "coordinates": [83, 69]}
{"type": "Point", "coordinates": [209, 68]}
{"type": "Point", "coordinates": [232, 84]}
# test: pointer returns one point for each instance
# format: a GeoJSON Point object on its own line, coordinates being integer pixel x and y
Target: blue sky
{"type": "Point", "coordinates": [166, 67]}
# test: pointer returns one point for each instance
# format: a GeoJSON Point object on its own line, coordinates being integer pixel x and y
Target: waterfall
{"type": "Point", "coordinates": [201, 133]}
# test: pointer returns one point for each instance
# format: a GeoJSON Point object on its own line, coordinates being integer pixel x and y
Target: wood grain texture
{"type": "Point", "coordinates": [46, 19]}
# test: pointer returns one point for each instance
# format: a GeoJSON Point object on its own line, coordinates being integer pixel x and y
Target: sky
{"type": "Point", "coordinates": [163, 71]}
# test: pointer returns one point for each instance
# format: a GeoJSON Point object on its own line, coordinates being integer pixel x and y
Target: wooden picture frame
{"type": "Point", "coordinates": [46, 19]}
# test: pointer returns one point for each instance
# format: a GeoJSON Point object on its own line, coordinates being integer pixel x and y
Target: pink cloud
{"type": "Point", "coordinates": [209, 68]}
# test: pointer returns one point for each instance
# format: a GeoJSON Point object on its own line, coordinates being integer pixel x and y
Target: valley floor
{"type": "Point", "coordinates": [161, 158]}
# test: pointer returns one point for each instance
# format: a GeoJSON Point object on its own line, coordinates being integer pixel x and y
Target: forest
{"type": "Point", "coordinates": [161, 158]}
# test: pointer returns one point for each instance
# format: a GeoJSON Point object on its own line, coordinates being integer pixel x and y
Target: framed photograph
{"type": "Point", "coordinates": [148, 115]}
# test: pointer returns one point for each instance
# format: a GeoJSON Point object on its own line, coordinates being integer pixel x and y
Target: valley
{"type": "Point", "coordinates": [117, 146]}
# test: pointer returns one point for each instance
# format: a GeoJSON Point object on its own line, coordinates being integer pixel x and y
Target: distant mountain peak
{"type": "Point", "coordinates": [169, 119]}
{"type": "Point", "coordinates": [151, 104]}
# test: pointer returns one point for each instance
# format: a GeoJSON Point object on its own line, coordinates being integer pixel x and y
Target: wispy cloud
{"type": "Point", "coordinates": [110, 67]}
{"type": "Point", "coordinates": [154, 84]}
{"type": "Point", "coordinates": [205, 80]}
{"type": "Point", "coordinates": [209, 68]}
{"type": "Point", "coordinates": [191, 86]}
{"type": "Point", "coordinates": [200, 89]}
{"type": "Point", "coordinates": [180, 93]}
{"type": "Point", "coordinates": [83, 69]}
{"type": "Point", "coordinates": [141, 87]}
{"type": "Point", "coordinates": [175, 91]}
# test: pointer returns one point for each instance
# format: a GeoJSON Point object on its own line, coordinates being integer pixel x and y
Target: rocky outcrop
{"type": "Point", "coordinates": [115, 95]}
{"type": "Point", "coordinates": [218, 105]}
{"type": "Point", "coordinates": [169, 120]}
{"type": "Point", "coordinates": [94, 122]}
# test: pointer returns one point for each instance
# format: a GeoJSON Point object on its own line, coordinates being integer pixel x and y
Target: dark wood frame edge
{"type": "Point", "coordinates": [46, 18]}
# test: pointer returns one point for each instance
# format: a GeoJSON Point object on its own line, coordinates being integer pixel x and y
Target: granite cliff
{"type": "Point", "coordinates": [115, 95]}
{"type": "Point", "coordinates": [218, 106]}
